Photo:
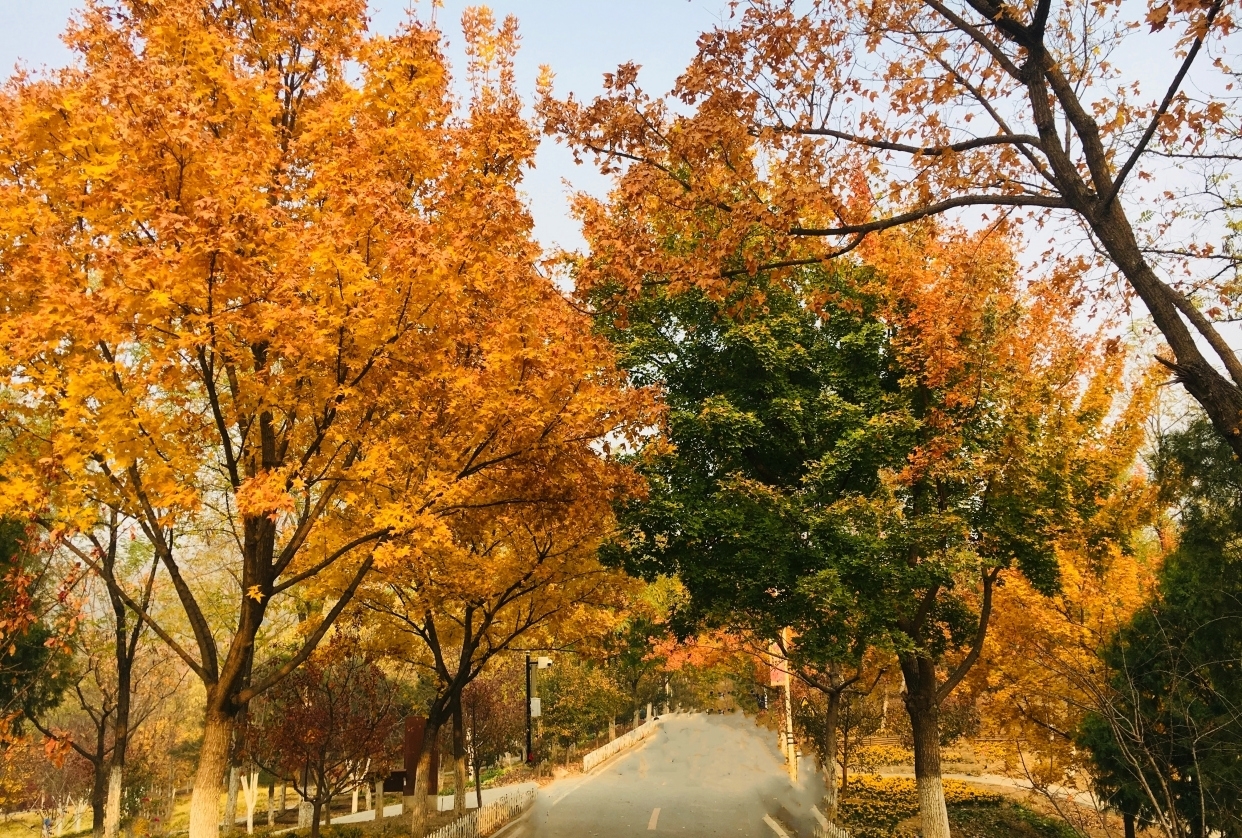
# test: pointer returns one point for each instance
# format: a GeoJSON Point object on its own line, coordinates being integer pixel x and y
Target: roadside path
{"type": "Point", "coordinates": [698, 776]}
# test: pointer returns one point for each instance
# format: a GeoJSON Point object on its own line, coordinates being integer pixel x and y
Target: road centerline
{"type": "Point", "coordinates": [655, 817]}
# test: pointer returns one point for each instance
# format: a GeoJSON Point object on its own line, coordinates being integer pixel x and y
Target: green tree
{"type": "Point", "coordinates": [578, 699]}
{"type": "Point", "coordinates": [858, 453]}
{"type": "Point", "coordinates": [1167, 741]}
{"type": "Point", "coordinates": [34, 659]}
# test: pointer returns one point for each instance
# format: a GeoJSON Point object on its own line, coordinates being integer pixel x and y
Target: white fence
{"type": "Point", "coordinates": [483, 822]}
{"type": "Point", "coordinates": [831, 830]}
{"type": "Point", "coordinates": [824, 829]}
{"type": "Point", "coordinates": [618, 745]}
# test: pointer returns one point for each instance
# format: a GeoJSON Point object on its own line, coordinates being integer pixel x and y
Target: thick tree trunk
{"type": "Point", "coordinates": [1128, 823]}
{"type": "Point", "coordinates": [830, 754]}
{"type": "Point", "coordinates": [213, 759]}
{"type": "Point", "coordinates": [924, 708]}
{"type": "Point", "coordinates": [112, 808]}
{"type": "Point", "coordinates": [271, 802]}
{"type": "Point", "coordinates": [379, 798]}
{"type": "Point", "coordinates": [459, 760]}
{"type": "Point", "coordinates": [316, 811]}
{"type": "Point", "coordinates": [422, 776]}
{"type": "Point", "coordinates": [1219, 396]}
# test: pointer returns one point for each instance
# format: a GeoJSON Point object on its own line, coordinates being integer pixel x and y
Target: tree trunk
{"type": "Point", "coordinates": [213, 759]}
{"type": "Point", "coordinates": [172, 806]}
{"type": "Point", "coordinates": [316, 810]}
{"type": "Point", "coordinates": [99, 797]}
{"type": "Point", "coordinates": [830, 752]}
{"type": "Point", "coordinates": [1128, 822]}
{"type": "Point", "coordinates": [271, 802]}
{"type": "Point", "coordinates": [459, 759]}
{"type": "Point", "coordinates": [924, 709]}
{"type": "Point", "coordinates": [379, 798]}
{"type": "Point", "coordinates": [230, 800]}
{"type": "Point", "coordinates": [116, 773]}
{"type": "Point", "coordinates": [1220, 397]}
{"type": "Point", "coordinates": [478, 782]}
{"type": "Point", "coordinates": [422, 776]}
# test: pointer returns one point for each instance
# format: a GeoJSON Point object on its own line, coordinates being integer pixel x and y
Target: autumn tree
{"type": "Point", "coordinates": [519, 579]}
{"type": "Point", "coordinates": [514, 561]}
{"type": "Point", "coordinates": [872, 117]}
{"type": "Point", "coordinates": [493, 713]}
{"type": "Point", "coordinates": [321, 726]}
{"type": "Point", "coordinates": [1041, 672]}
{"type": "Point", "coordinates": [266, 286]}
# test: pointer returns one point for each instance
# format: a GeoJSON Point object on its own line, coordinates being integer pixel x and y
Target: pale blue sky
{"type": "Point", "coordinates": [580, 39]}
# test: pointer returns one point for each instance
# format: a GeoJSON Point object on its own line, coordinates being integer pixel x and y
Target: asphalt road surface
{"type": "Point", "coordinates": [700, 775]}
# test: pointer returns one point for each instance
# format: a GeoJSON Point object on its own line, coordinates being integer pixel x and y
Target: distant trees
{"type": "Point", "coordinates": [321, 727]}
{"type": "Point", "coordinates": [578, 700]}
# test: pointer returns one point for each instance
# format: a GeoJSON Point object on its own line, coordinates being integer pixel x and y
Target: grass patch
{"type": "Point", "coordinates": [888, 807]}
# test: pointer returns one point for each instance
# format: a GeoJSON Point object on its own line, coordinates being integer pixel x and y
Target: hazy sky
{"type": "Point", "coordinates": [580, 39]}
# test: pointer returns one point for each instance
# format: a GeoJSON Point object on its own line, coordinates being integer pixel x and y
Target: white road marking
{"type": "Point", "coordinates": [655, 816]}
{"type": "Point", "coordinates": [776, 827]}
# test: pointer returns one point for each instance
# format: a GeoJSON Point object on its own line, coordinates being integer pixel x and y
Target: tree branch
{"type": "Point", "coordinates": [985, 612]}
{"type": "Point", "coordinates": [1048, 202]}
{"type": "Point", "coordinates": [1169, 95]}
{"type": "Point", "coordinates": [313, 641]}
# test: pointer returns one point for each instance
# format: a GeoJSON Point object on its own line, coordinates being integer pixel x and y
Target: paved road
{"type": "Point", "coordinates": [700, 775]}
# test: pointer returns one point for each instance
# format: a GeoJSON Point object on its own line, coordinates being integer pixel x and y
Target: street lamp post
{"type": "Point", "coordinates": [532, 710]}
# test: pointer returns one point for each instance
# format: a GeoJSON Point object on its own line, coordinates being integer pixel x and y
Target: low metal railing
{"type": "Point", "coordinates": [483, 822]}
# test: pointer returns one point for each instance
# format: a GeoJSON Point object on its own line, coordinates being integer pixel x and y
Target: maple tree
{"type": "Point", "coordinates": [266, 313]}
{"type": "Point", "coordinates": [515, 562]}
{"type": "Point", "coordinates": [801, 130]}
{"type": "Point", "coordinates": [515, 576]}
{"type": "Point", "coordinates": [1041, 671]}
